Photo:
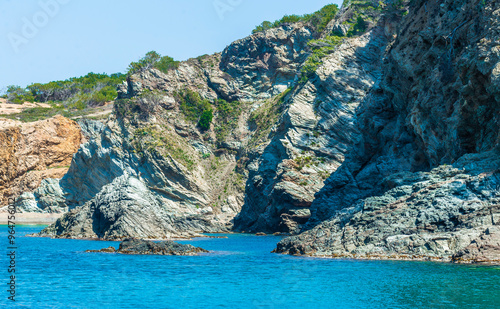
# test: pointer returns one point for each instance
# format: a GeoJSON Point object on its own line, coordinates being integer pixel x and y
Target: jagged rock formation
{"type": "Point", "coordinates": [437, 104]}
{"type": "Point", "coordinates": [258, 67]}
{"type": "Point", "coordinates": [312, 136]}
{"type": "Point", "coordinates": [152, 167]}
{"type": "Point", "coordinates": [33, 152]}
{"type": "Point", "coordinates": [265, 64]}
{"type": "Point", "coordinates": [483, 250]}
{"type": "Point", "coordinates": [145, 247]}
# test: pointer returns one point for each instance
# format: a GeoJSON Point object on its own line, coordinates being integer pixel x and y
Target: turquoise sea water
{"type": "Point", "coordinates": [240, 273]}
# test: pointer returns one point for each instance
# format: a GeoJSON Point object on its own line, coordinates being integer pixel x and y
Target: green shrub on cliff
{"type": "Point", "coordinates": [358, 28]}
{"type": "Point", "coordinates": [266, 25]}
{"type": "Point", "coordinates": [153, 140]}
{"type": "Point", "coordinates": [153, 60]}
{"type": "Point", "coordinates": [41, 113]}
{"type": "Point", "coordinates": [126, 107]}
{"type": "Point", "coordinates": [192, 105]}
{"type": "Point", "coordinates": [206, 119]}
{"type": "Point", "coordinates": [227, 118]}
{"type": "Point", "coordinates": [318, 20]}
{"type": "Point", "coordinates": [35, 114]}
{"type": "Point", "coordinates": [320, 49]}
{"type": "Point", "coordinates": [263, 118]}
{"type": "Point", "coordinates": [90, 89]}
{"type": "Point", "coordinates": [321, 18]}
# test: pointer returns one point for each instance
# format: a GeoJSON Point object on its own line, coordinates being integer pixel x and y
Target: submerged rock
{"type": "Point", "coordinates": [146, 247]}
{"type": "Point", "coordinates": [105, 250]}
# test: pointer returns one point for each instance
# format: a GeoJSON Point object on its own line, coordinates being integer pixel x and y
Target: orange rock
{"type": "Point", "coordinates": [31, 152]}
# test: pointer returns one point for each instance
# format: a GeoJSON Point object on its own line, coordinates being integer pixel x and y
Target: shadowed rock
{"type": "Point", "coordinates": [423, 182]}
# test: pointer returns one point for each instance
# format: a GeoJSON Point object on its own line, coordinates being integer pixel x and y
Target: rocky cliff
{"type": "Point", "coordinates": [422, 182]}
{"type": "Point", "coordinates": [152, 172]}
{"type": "Point", "coordinates": [317, 125]}
{"type": "Point", "coordinates": [393, 103]}
{"type": "Point", "coordinates": [33, 152]}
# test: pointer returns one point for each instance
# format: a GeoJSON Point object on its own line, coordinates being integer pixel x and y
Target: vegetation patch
{"type": "Point", "coordinates": [263, 118]}
{"type": "Point", "coordinates": [319, 20]}
{"type": "Point", "coordinates": [75, 93]}
{"type": "Point", "coordinates": [150, 100]}
{"type": "Point", "coordinates": [324, 175]}
{"type": "Point", "coordinates": [307, 161]}
{"type": "Point", "coordinates": [124, 108]}
{"type": "Point", "coordinates": [206, 61]}
{"type": "Point", "coordinates": [42, 113]}
{"type": "Point", "coordinates": [228, 114]}
{"type": "Point", "coordinates": [359, 27]}
{"type": "Point", "coordinates": [194, 107]}
{"type": "Point", "coordinates": [152, 140]}
{"type": "Point", "coordinates": [362, 13]}
{"type": "Point", "coordinates": [320, 49]}
{"type": "Point", "coordinates": [153, 60]}
{"type": "Point", "coordinates": [206, 119]}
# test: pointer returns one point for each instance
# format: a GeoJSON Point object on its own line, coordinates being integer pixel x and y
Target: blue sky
{"type": "Point", "coordinates": [45, 40]}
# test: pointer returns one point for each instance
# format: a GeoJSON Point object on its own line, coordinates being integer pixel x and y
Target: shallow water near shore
{"type": "Point", "coordinates": [239, 273]}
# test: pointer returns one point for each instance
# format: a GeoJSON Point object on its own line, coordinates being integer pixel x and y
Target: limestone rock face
{"type": "Point", "coordinates": [312, 137]}
{"type": "Point", "coordinates": [32, 152]}
{"type": "Point", "coordinates": [437, 104]}
{"type": "Point", "coordinates": [265, 64]}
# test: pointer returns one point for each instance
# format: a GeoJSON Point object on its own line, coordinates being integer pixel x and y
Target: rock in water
{"type": "Point", "coordinates": [146, 247]}
{"type": "Point", "coordinates": [105, 250]}
{"type": "Point", "coordinates": [421, 216]}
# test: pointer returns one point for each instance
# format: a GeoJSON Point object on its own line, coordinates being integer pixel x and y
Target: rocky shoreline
{"type": "Point", "coordinates": [484, 250]}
